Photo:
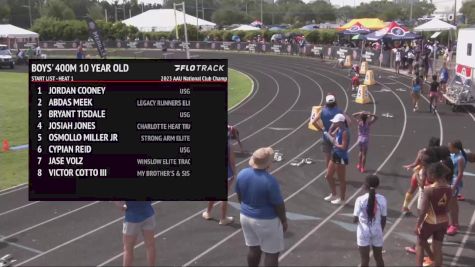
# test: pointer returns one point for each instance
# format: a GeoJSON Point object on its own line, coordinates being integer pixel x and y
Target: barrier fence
{"type": "Point", "coordinates": [372, 56]}
{"type": "Point", "coordinates": [383, 58]}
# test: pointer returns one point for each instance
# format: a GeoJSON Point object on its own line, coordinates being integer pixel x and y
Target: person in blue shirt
{"type": "Point", "coordinates": [263, 218]}
{"type": "Point", "coordinates": [325, 115]}
{"type": "Point", "coordinates": [444, 79]}
{"type": "Point", "coordinates": [139, 218]}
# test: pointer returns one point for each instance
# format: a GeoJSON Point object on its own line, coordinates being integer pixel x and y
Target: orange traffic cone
{"type": "Point", "coordinates": [6, 145]}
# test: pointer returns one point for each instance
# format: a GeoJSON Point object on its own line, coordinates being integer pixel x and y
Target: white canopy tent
{"type": "Point", "coordinates": [12, 35]}
{"type": "Point", "coordinates": [434, 25]}
{"type": "Point", "coordinates": [247, 28]}
{"type": "Point", "coordinates": [11, 31]}
{"type": "Point", "coordinates": [156, 20]}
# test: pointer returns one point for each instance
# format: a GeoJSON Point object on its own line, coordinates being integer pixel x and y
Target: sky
{"type": "Point", "coordinates": [442, 5]}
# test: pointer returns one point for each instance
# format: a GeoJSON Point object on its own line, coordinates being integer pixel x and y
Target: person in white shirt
{"type": "Point", "coordinates": [370, 213]}
{"type": "Point", "coordinates": [398, 60]}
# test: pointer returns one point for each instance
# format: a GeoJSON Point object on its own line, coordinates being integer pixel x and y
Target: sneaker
{"type": "Point", "coordinates": [427, 262]}
{"type": "Point", "coordinates": [411, 250]}
{"type": "Point", "coordinates": [206, 216]}
{"type": "Point", "coordinates": [460, 198]}
{"type": "Point", "coordinates": [452, 230]}
{"type": "Point", "coordinates": [330, 197]}
{"type": "Point", "coordinates": [337, 201]}
{"type": "Point", "coordinates": [358, 166]}
{"type": "Point", "coordinates": [226, 221]}
{"type": "Point", "coordinates": [414, 109]}
{"type": "Point", "coordinates": [362, 170]}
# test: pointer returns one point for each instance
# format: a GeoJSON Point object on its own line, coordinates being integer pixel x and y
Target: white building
{"type": "Point", "coordinates": [158, 20]}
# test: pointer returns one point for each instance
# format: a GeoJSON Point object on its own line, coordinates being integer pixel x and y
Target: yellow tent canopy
{"type": "Point", "coordinates": [370, 23]}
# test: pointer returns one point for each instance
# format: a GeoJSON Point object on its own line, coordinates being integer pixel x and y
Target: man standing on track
{"type": "Point", "coordinates": [263, 218]}
{"type": "Point", "coordinates": [326, 114]}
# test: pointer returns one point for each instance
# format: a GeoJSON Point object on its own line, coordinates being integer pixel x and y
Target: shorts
{"type": "Point", "coordinates": [327, 146]}
{"type": "Point", "coordinates": [338, 159]}
{"type": "Point", "coordinates": [437, 231]}
{"type": "Point", "coordinates": [265, 233]}
{"type": "Point", "coordinates": [131, 228]}
{"type": "Point", "coordinates": [369, 236]}
{"type": "Point", "coordinates": [433, 94]}
{"type": "Point", "coordinates": [363, 145]}
{"type": "Point", "coordinates": [443, 82]}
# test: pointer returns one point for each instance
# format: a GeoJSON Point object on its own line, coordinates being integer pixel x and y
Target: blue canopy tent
{"type": "Point", "coordinates": [393, 32]}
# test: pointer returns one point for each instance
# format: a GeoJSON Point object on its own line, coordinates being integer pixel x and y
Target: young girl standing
{"type": "Point", "coordinates": [370, 213]}
{"type": "Point", "coordinates": [416, 91]}
{"type": "Point", "coordinates": [433, 94]}
{"type": "Point", "coordinates": [365, 120]}
{"type": "Point", "coordinates": [459, 159]}
{"type": "Point", "coordinates": [433, 219]}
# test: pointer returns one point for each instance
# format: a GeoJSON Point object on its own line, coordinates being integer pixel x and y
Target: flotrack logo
{"type": "Point", "coordinates": [199, 67]}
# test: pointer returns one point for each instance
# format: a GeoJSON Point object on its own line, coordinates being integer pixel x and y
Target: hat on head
{"type": "Point", "coordinates": [338, 118]}
{"type": "Point", "coordinates": [261, 158]}
{"type": "Point", "coordinates": [330, 99]}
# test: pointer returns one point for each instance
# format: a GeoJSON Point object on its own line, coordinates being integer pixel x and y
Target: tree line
{"type": "Point", "coordinates": [64, 19]}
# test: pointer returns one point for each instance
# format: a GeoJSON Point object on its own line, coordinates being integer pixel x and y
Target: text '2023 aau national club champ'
{"type": "Point", "coordinates": [128, 129]}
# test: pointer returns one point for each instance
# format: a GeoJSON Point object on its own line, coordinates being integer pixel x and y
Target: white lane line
{"type": "Point", "coordinates": [283, 114]}
{"type": "Point", "coordinates": [20, 246]}
{"type": "Point", "coordinates": [471, 115]}
{"type": "Point", "coordinates": [265, 106]}
{"type": "Point", "coordinates": [246, 99]}
{"type": "Point", "coordinates": [302, 124]}
{"type": "Point", "coordinates": [441, 127]}
{"type": "Point", "coordinates": [300, 241]}
{"type": "Point", "coordinates": [464, 241]}
{"type": "Point", "coordinates": [239, 230]}
{"type": "Point", "coordinates": [74, 239]}
{"type": "Point", "coordinates": [18, 208]}
{"type": "Point", "coordinates": [198, 213]}
{"type": "Point", "coordinates": [19, 187]}
{"type": "Point", "coordinates": [163, 232]}
{"type": "Point", "coordinates": [49, 220]}
{"type": "Point", "coordinates": [285, 200]}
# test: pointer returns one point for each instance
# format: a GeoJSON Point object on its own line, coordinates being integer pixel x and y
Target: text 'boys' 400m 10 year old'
{"type": "Point", "coordinates": [128, 129]}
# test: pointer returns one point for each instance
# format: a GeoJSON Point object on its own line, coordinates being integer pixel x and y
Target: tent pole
{"type": "Point", "coordinates": [176, 23]}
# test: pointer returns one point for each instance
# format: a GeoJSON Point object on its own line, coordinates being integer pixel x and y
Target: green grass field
{"type": "Point", "coordinates": [239, 87]}
{"type": "Point", "coordinates": [14, 120]}
{"type": "Point", "coordinates": [13, 127]}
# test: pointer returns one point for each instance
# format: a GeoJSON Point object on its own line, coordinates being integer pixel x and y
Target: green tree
{"type": "Point", "coordinates": [468, 10]}
{"type": "Point", "coordinates": [190, 29]}
{"type": "Point", "coordinates": [323, 11]}
{"type": "Point", "coordinates": [4, 13]}
{"type": "Point", "coordinates": [228, 17]}
{"type": "Point", "coordinates": [57, 9]}
{"type": "Point", "coordinates": [345, 13]}
{"type": "Point", "coordinates": [96, 12]}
